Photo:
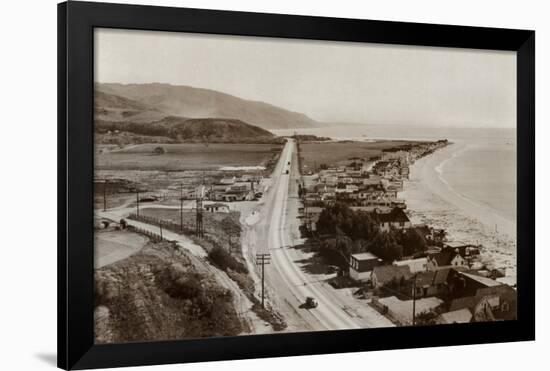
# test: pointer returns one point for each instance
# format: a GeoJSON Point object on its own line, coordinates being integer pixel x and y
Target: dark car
{"type": "Point", "coordinates": [310, 303]}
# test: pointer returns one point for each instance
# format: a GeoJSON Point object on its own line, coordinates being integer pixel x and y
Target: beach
{"type": "Point", "coordinates": [468, 188]}
{"type": "Point", "coordinates": [432, 200]}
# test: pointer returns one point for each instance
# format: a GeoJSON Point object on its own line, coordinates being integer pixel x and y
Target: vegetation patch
{"type": "Point", "coordinates": [343, 231]}
{"type": "Point", "coordinates": [158, 294]}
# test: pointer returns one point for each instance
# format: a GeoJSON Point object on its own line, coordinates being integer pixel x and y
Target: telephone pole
{"type": "Point", "coordinates": [414, 300]}
{"type": "Point", "coordinates": [181, 207]}
{"type": "Point", "coordinates": [105, 195]}
{"type": "Point", "coordinates": [199, 229]}
{"type": "Point", "coordinates": [137, 202]}
{"type": "Point", "coordinates": [263, 259]}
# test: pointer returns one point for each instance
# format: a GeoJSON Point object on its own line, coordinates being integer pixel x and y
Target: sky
{"type": "Point", "coordinates": [340, 82]}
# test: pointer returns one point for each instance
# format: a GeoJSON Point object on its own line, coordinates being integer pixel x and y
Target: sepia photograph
{"type": "Point", "coordinates": [253, 185]}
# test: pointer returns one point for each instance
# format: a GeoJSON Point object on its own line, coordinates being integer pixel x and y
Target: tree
{"type": "Point", "coordinates": [386, 247]}
{"type": "Point", "coordinates": [411, 241]}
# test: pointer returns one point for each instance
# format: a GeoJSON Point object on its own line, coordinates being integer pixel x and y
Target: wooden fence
{"type": "Point", "coordinates": [155, 237]}
{"type": "Point", "coordinates": [165, 224]}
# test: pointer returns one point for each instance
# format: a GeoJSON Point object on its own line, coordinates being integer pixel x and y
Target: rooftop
{"type": "Point", "coordinates": [458, 316]}
{"type": "Point", "coordinates": [364, 256]}
{"type": "Point", "coordinates": [483, 280]}
{"type": "Point", "coordinates": [395, 215]}
{"type": "Point", "coordinates": [386, 273]}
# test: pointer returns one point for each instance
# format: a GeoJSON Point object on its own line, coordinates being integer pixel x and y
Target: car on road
{"type": "Point", "coordinates": [310, 303]}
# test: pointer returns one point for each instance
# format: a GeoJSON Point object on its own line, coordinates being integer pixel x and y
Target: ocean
{"type": "Point", "coordinates": [468, 187]}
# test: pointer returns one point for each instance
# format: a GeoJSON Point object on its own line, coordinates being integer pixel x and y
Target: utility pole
{"type": "Point", "coordinates": [181, 207]}
{"type": "Point", "coordinates": [105, 195]}
{"type": "Point", "coordinates": [263, 259]}
{"type": "Point", "coordinates": [160, 225]}
{"type": "Point", "coordinates": [137, 202]}
{"type": "Point", "coordinates": [414, 300]}
{"type": "Point", "coordinates": [199, 229]}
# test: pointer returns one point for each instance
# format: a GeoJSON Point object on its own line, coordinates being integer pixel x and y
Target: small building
{"type": "Point", "coordinates": [385, 274]}
{"type": "Point", "coordinates": [311, 217]}
{"type": "Point", "coordinates": [445, 258]}
{"type": "Point", "coordinates": [239, 187]}
{"type": "Point", "coordinates": [489, 304]}
{"type": "Point", "coordinates": [415, 265]}
{"type": "Point", "coordinates": [228, 180]}
{"type": "Point", "coordinates": [361, 265]}
{"type": "Point", "coordinates": [465, 250]}
{"type": "Point", "coordinates": [396, 218]}
{"type": "Point", "coordinates": [431, 283]}
{"type": "Point", "coordinates": [217, 208]}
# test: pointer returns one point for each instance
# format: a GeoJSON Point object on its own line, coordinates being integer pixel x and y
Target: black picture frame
{"type": "Point", "coordinates": [76, 22]}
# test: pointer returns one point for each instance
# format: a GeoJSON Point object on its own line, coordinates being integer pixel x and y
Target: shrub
{"type": "Point", "coordinates": [223, 260]}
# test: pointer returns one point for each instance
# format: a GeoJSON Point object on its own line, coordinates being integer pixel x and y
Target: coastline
{"type": "Point", "coordinates": [432, 200]}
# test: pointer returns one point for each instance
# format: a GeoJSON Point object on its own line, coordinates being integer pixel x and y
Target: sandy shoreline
{"type": "Point", "coordinates": [432, 201]}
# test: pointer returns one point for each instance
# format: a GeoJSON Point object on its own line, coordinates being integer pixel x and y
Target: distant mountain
{"type": "Point", "coordinates": [120, 120]}
{"type": "Point", "coordinates": [110, 107]}
{"type": "Point", "coordinates": [185, 101]}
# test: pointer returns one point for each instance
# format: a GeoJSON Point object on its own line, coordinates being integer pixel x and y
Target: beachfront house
{"type": "Point", "coordinates": [396, 219]}
{"type": "Point", "coordinates": [445, 258]}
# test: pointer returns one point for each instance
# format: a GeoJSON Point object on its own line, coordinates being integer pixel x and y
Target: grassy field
{"type": "Point", "coordinates": [315, 154]}
{"type": "Point", "coordinates": [186, 157]}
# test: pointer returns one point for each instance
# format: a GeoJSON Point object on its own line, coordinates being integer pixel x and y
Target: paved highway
{"type": "Point", "coordinates": [277, 232]}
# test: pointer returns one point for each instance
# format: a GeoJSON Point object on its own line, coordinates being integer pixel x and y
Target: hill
{"type": "Point", "coordinates": [111, 107]}
{"type": "Point", "coordinates": [185, 101]}
{"type": "Point", "coordinates": [179, 129]}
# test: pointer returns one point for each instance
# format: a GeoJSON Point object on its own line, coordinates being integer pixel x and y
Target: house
{"type": "Point", "coordinates": [430, 234]}
{"type": "Point", "coordinates": [236, 196]}
{"type": "Point", "coordinates": [371, 192]}
{"type": "Point", "coordinates": [396, 218]}
{"type": "Point", "coordinates": [361, 265]}
{"type": "Point", "coordinates": [431, 283]}
{"type": "Point", "coordinates": [239, 187]}
{"type": "Point", "coordinates": [457, 316]}
{"type": "Point", "coordinates": [227, 181]}
{"type": "Point", "coordinates": [445, 258]}
{"type": "Point", "coordinates": [415, 265]}
{"type": "Point", "coordinates": [385, 274]}
{"type": "Point", "coordinates": [464, 283]}
{"type": "Point", "coordinates": [311, 217]}
{"type": "Point", "coordinates": [489, 304]}
{"type": "Point", "coordinates": [217, 207]}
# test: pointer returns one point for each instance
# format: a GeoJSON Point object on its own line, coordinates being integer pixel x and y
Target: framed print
{"type": "Point", "coordinates": [236, 185]}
